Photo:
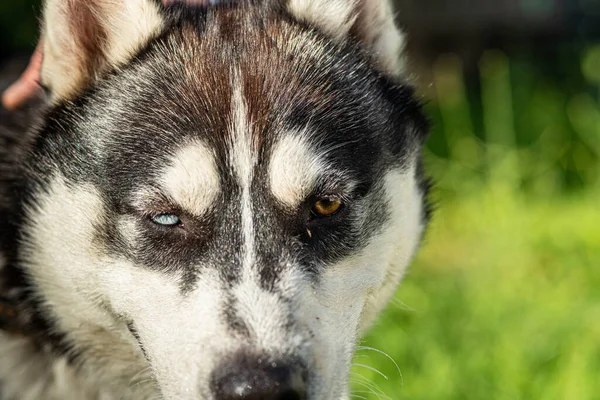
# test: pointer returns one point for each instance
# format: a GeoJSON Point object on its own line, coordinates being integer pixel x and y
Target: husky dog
{"type": "Point", "coordinates": [216, 203]}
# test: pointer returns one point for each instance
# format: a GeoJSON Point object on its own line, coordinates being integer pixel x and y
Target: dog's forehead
{"type": "Point", "coordinates": [286, 74]}
{"type": "Point", "coordinates": [284, 86]}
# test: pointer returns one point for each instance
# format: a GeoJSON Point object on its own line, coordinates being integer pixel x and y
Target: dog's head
{"type": "Point", "coordinates": [222, 198]}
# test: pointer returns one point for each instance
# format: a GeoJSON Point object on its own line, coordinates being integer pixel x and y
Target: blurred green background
{"type": "Point", "coordinates": [503, 301]}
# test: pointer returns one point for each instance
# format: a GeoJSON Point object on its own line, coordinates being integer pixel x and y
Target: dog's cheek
{"type": "Point", "coordinates": [349, 294]}
{"type": "Point", "coordinates": [390, 252]}
{"type": "Point", "coordinates": [60, 252]}
{"type": "Point", "coordinates": [93, 295]}
{"type": "Point", "coordinates": [70, 274]}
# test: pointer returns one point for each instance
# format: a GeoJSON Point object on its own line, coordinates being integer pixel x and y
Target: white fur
{"type": "Point", "coordinates": [382, 34]}
{"type": "Point", "coordinates": [336, 17]}
{"type": "Point", "coordinates": [294, 169]}
{"type": "Point", "coordinates": [67, 66]}
{"type": "Point", "coordinates": [183, 335]}
{"type": "Point", "coordinates": [129, 23]}
{"type": "Point", "coordinates": [243, 160]}
{"type": "Point", "coordinates": [372, 21]}
{"type": "Point", "coordinates": [396, 246]}
{"type": "Point", "coordinates": [69, 271]}
{"type": "Point", "coordinates": [192, 180]}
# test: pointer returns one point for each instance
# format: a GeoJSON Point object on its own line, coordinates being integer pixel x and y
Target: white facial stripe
{"type": "Point", "coordinates": [261, 311]}
{"type": "Point", "coordinates": [192, 180]}
{"type": "Point", "coordinates": [243, 160]}
{"type": "Point", "coordinates": [293, 170]}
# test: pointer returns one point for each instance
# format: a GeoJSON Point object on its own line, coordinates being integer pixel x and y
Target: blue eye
{"type": "Point", "coordinates": [166, 219]}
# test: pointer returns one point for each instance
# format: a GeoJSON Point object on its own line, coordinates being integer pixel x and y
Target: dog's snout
{"type": "Point", "coordinates": [253, 378]}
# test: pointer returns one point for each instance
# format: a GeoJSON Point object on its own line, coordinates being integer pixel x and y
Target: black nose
{"type": "Point", "coordinates": [245, 377]}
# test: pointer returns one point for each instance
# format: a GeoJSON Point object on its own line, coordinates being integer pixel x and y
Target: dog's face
{"type": "Point", "coordinates": [221, 213]}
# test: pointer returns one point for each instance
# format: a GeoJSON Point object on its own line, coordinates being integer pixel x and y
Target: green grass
{"type": "Point", "coordinates": [503, 301]}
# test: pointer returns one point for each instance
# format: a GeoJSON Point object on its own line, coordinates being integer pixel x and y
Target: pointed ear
{"type": "Point", "coordinates": [83, 39]}
{"type": "Point", "coordinates": [371, 22]}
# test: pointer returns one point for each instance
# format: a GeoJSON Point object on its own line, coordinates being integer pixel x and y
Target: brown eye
{"type": "Point", "coordinates": [327, 207]}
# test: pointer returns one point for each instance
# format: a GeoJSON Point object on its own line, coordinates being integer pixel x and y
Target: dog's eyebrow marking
{"type": "Point", "coordinates": [192, 179]}
{"type": "Point", "coordinates": [293, 170]}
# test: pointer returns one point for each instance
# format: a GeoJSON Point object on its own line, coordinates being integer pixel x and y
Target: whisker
{"type": "Point", "coordinates": [368, 384]}
{"type": "Point", "coordinates": [402, 305]}
{"type": "Point", "coordinates": [368, 348]}
{"type": "Point", "coordinates": [368, 392]}
{"type": "Point", "coordinates": [371, 369]}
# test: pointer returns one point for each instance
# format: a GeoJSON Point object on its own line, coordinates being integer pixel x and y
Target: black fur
{"type": "Point", "coordinates": [18, 133]}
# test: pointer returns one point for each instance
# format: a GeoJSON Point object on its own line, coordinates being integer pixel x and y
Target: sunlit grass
{"type": "Point", "coordinates": [503, 301]}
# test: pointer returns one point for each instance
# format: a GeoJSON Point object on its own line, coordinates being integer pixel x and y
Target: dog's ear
{"type": "Point", "coordinates": [83, 39]}
{"type": "Point", "coordinates": [371, 22]}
